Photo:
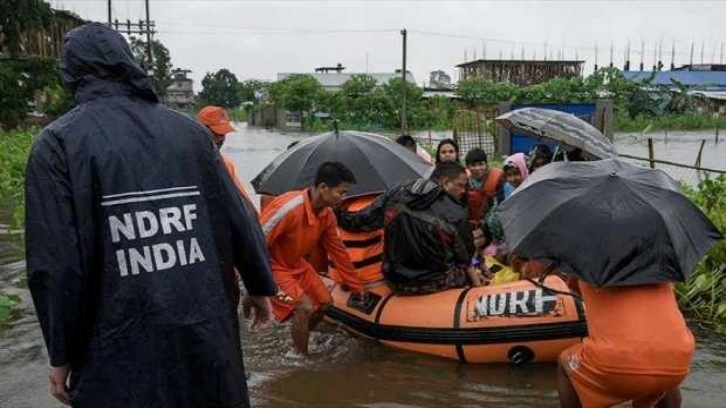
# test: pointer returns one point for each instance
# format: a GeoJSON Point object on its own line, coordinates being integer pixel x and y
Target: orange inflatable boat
{"type": "Point", "coordinates": [517, 322]}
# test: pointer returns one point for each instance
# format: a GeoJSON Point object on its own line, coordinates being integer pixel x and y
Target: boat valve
{"type": "Point", "coordinates": [520, 355]}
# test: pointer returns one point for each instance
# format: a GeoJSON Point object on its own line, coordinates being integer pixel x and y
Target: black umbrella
{"type": "Point", "coordinates": [377, 162]}
{"type": "Point", "coordinates": [559, 127]}
{"type": "Point", "coordinates": [608, 222]}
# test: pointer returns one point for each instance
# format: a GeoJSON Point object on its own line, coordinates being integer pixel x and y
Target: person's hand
{"type": "Point", "coordinates": [475, 277]}
{"type": "Point", "coordinates": [58, 384]}
{"type": "Point", "coordinates": [262, 311]}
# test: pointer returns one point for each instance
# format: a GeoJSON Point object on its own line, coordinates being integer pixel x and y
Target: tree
{"type": "Point", "coordinates": [250, 89]}
{"type": "Point", "coordinates": [297, 93]}
{"type": "Point", "coordinates": [221, 89]}
{"type": "Point", "coordinates": [358, 85]}
{"type": "Point", "coordinates": [20, 81]}
{"type": "Point", "coordinates": [17, 16]}
{"type": "Point", "coordinates": [394, 90]}
{"type": "Point", "coordinates": [161, 68]}
{"type": "Point", "coordinates": [481, 91]}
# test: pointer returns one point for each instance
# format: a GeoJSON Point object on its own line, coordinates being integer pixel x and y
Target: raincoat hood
{"type": "Point", "coordinates": [422, 193]}
{"type": "Point", "coordinates": [519, 160]}
{"type": "Point", "coordinates": [96, 61]}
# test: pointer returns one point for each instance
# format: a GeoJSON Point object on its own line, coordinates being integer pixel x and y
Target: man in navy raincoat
{"type": "Point", "coordinates": [133, 230]}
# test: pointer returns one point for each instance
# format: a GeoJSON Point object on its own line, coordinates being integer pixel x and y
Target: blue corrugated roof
{"type": "Point", "coordinates": [706, 79]}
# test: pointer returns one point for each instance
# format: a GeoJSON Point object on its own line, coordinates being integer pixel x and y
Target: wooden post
{"type": "Point", "coordinates": [650, 153]}
{"type": "Point", "coordinates": [716, 142]}
{"type": "Point", "coordinates": [505, 137]}
{"type": "Point", "coordinates": [700, 152]}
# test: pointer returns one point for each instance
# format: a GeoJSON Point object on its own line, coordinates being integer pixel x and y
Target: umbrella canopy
{"type": "Point", "coordinates": [608, 222]}
{"type": "Point", "coordinates": [377, 162]}
{"type": "Point", "coordinates": [559, 127]}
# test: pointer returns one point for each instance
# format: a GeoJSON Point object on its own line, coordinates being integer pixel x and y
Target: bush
{"type": "Point", "coordinates": [14, 150]}
{"type": "Point", "coordinates": [703, 295]}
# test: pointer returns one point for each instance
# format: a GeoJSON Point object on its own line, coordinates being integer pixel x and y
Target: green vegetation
{"type": "Point", "coordinates": [6, 306]}
{"type": "Point", "coordinates": [220, 89]}
{"type": "Point", "coordinates": [14, 151]}
{"type": "Point", "coordinates": [238, 115]}
{"type": "Point", "coordinates": [360, 104]}
{"type": "Point", "coordinates": [703, 295]}
{"type": "Point", "coordinates": [363, 104]}
{"type": "Point", "coordinates": [161, 67]}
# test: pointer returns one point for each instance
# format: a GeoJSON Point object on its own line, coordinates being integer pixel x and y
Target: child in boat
{"type": "Point", "coordinates": [515, 172]}
{"type": "Point", "coordinates": [485, 186]}
{"type": "Point", "coordinates": [294, 223]}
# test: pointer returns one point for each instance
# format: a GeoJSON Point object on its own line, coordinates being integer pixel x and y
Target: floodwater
{"type": "Point", "coordinates": [345, 371]}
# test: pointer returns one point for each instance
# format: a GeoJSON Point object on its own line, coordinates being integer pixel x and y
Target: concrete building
{"type": "Point", "coordinates": [520, 72]}
{"type": "Point", "coordinates": [180, 94]}
{"type": "Point", "coordinates": [332, 81]}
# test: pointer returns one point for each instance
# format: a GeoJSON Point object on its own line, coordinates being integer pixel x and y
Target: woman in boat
{"type": "Point", "coordinates": [447, 150]}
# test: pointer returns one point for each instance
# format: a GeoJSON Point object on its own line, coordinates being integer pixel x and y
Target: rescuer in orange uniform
{"type": "Point", "coordinates": [216, 120]}
{"type": "Point", "coordinates": [294, 223]}
{"type": "Point", "coordinates": [638, 349]}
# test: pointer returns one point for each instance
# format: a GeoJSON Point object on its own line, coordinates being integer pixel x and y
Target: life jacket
{"type": "Point", "coordinates": [478, 200]}
{"type": "Point", "coordinates": [364, 248]}
{"type": "Point", "coordinates": [264, 200]}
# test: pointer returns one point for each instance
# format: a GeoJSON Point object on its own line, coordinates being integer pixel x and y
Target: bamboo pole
{"type": "Point", "coordinates": [651, 155]}
{"type": "Point", "coordinates": [670, 163]}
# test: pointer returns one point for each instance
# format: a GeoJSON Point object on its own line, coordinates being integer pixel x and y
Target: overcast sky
{"type": "Point", "coordinates": [258, 39]}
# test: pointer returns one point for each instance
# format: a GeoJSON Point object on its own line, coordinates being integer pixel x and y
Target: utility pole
{"type": "Point", "coordinates": [148, 37]}
{"type": "Point", "coordinates": [142, 27]}
{"type": "Point", "coordinates": [404, 125]}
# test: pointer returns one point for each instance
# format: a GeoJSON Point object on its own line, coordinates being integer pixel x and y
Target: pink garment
{"type": "Point", "coordinates": [423, 154]}
{"type": "Point", "coordinates": [519, 160]}
{"type": "Point", "coordinates": [490, 250]}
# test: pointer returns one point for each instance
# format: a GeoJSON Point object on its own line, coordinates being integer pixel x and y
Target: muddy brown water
{"type": "Point", "coordinates": [343, 371]}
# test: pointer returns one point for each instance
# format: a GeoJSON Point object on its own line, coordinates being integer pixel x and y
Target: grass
{"type": "Point", "coordinates": [14, 150]}
{"type": "Point", "coordinates": [6, 307]}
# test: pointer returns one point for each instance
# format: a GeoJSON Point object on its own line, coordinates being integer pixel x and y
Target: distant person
{"type": "Point", "coordinates": [295, 223]}
{"type": "Point", "coordinates": [428, 245]}
{"type": "Point", "coordinates": [447, 150]}
{"type": "Point", "coordinates": [133, 228]}
{"type": "Point", "coordinates": [539, 155]}
{"type": "Point", "coordinates": [216, 120]}
{"type": "Point", "coordinates": [410, 143]}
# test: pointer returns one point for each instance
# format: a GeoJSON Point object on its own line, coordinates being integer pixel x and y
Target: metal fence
{"type": "Point", "coordinates": [476, 129]}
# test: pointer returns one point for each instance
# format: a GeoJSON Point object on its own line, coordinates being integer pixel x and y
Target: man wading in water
{"type": "Point", "coordinates": [133, 230]}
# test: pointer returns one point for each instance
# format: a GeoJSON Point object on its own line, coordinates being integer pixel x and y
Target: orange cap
{"type": "Point", "coordinates": [215, 118]}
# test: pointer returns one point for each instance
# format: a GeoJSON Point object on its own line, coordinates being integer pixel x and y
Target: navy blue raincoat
{"type": "Point", "coordinates": [133, 232]}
